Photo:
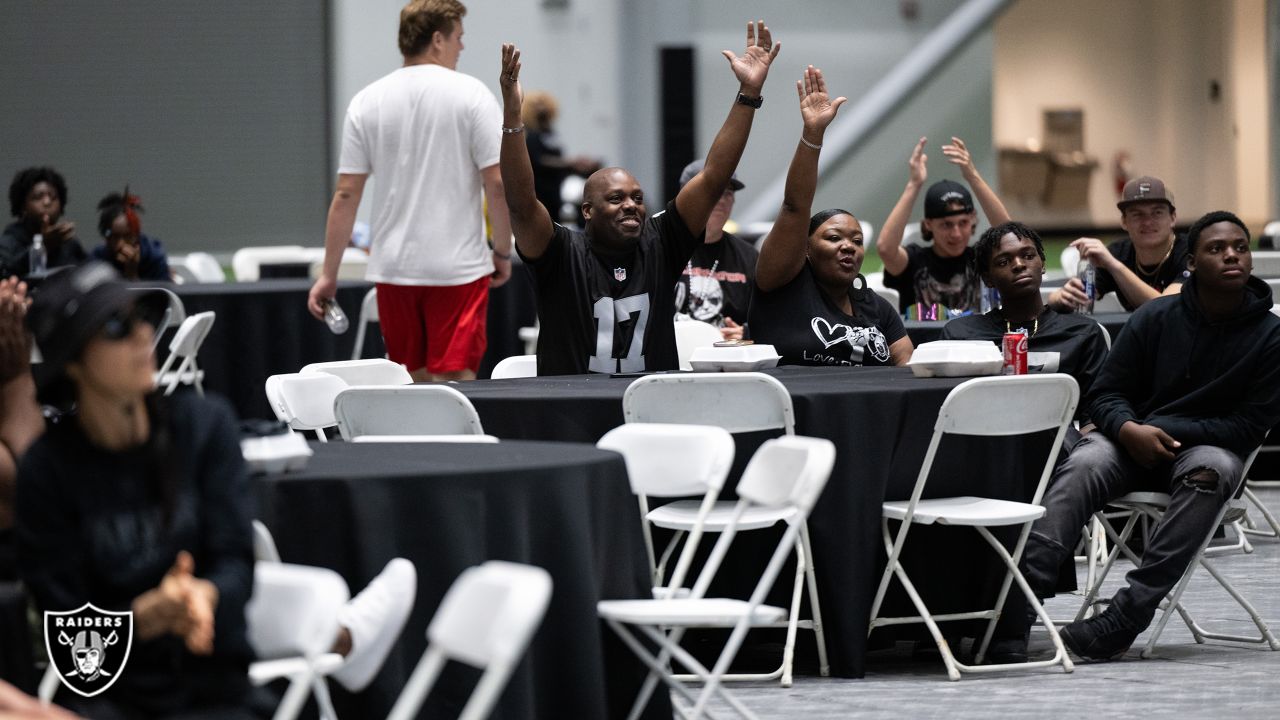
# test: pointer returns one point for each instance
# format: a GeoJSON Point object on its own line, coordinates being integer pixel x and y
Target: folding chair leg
{"type": "Point", "coordinates": [294, 698]}
{"type": "Point", "coordinates": [1274, 532]}
{"type": "Point", "coordinates": [1119, 545]}
{"type": "Point", "coordinates": [320, 688]}
{"type": "Point", "coordinates": [793, 617]}
{"type": "Point", "coordinates": [815, 608]}
{"type": "Point", "coordinates": [1266, 637]}
{"type": "Point", "coordinates": [1173, 602]}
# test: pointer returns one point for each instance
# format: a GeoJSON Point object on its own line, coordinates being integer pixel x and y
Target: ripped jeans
{"type": "Point", "coordinates": [1199, 481]}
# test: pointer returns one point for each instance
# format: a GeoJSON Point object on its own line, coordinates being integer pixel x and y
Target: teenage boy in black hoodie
{"type": "Point", "coordinates": [1189, 389]}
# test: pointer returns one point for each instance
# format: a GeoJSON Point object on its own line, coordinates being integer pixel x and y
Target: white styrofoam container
{"type": "Point", "coordinates": [956, 358]}
{"type": "Point", "coordinates": [739, 358]}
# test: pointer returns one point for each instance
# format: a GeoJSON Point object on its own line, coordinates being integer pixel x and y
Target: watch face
{"type": "Point", "coordinates": [749, 101]}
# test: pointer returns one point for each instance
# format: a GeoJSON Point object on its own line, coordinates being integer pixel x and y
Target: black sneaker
{"type": "Point", "coordinates": [1006, 651]}
{"type": "Point", "coordinates": [1102, 637]}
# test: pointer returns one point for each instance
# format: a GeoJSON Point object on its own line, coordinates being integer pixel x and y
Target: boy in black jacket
{"type": "Point", "coordinates": [1190, 388]}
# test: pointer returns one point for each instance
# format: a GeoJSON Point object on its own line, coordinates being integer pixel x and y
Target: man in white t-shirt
{"type": "Point", "coordinates": [431, 135]}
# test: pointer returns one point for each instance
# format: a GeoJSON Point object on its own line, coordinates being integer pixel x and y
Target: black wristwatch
{"type": "Point", "coordinates": [752, 102]}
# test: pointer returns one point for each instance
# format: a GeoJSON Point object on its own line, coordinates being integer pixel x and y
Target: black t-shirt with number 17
{"type": "Point", "coordinates": [600, 313]}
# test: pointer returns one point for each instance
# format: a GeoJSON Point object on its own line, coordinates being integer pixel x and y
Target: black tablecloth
{"type": "Point", "coordinates": [263, 328]}
{"type": "Point", "coordinates": [922, 331]}
{"type": "Point", "coordinates": [563, 507]}
{"type": "Point", "coordinates": [881, 420]}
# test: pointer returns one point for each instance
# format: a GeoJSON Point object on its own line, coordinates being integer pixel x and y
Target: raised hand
{"type": "Point", "coordinates": [509, 80]}
{"type": "Point", "coordinates": [816, 109]}
{"type": "Point", "coordinates": [958, 154]}
{"type": "Point", "coordinates": [919, 173]}
{"type": "Point", "coordinates": [752, 67]}
{"type": "Point", "coordinates": [15, 354]}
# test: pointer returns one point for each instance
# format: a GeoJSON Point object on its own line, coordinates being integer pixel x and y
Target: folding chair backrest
{"type": "Point", "coordinates": [691, 335]}
{"type": "Point", "coordinates": [368, 314]}
{"type": "Point", "coordinates": [1004, 406]}
{"type": "Point", "coordinates": [309, 399]}
{"type": "Point", "coordinates": [247, 262]}
{"type": "Point", "coordinates": [405, 410]}
{"type": "Point", "coordinates": [516, 366]}
{"type": "Point", "coordinates": [205, 268]}
{"type": "Point", "coordinates": [737, 402]}
{"type": "Point", "coordinates": [274, 387]}
{"type": "Point", "coordinates": [786, 472]}
{"type": "Point", "coordinates": [174, 313]}
{"type": "Point", "coordinates": [374, 371]}
{"type": "Point", "coordinates": [485, 620]}
{"type": "Point", "coordinates": [190, 336]}
{"type": "Point", "coordinates": [264, 546]}
{"type": "Point", "coordinates": [294, 609]}
{"type": "Point", "coordinates": [668, 460]}
{"type": "Point", "coordinates": [1070, 260]}
{"type": "Point", "coordinates": [491, 612]}
{"type": "Point", "coordinates": [1008, 405]}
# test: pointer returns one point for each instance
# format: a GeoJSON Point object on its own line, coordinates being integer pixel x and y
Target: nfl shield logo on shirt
{"type": "Point", "coordinates": [88, 647]}
{"type": "Point", "coordinates": [620, 274]}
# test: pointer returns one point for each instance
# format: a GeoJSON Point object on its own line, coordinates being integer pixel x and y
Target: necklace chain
{"type": "Point", "coordinates": [1035, 327]}
{"type": "Point", "coordinates": [1137, 265]}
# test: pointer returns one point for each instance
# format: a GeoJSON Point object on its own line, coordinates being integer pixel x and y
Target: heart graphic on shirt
{"type": "Point", "coordinates": [830, 334]}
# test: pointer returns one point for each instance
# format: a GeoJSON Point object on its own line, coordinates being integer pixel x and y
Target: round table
{"type": "Point", "coordinates": [445, 506]}
{"type": "Point", "coordinates": [881, 420]}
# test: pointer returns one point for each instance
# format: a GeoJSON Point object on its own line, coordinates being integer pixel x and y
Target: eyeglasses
{"type": "Point", "coordinates": [122, 322]}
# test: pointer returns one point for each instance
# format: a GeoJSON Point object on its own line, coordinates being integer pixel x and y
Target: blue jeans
{"type": "Point", "coordinates": [1200, 480]}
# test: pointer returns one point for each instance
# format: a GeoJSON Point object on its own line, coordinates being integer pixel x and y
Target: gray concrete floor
{"type": "Point", "coordinates": [1182, 679]}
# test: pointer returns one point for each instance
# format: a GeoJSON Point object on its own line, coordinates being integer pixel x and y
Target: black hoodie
{"type": "Point", "coordinates": [1204, 383]}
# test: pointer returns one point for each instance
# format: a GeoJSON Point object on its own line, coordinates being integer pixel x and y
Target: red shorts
{"type": "Point", "coordinates": [440, 328]}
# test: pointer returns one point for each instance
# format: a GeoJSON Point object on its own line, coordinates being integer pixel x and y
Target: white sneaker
{"type": "Point", "coordinates": [375, 618]}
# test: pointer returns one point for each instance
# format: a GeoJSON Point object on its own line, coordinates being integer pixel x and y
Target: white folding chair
{"type": "Point", "coordinates": [368, 314]}
{"type": "Point", "coordinates": [405, 410]}
{"type": "Point", "coordinates": [305, 400]}
{"type": "Point", "coordinates": [183, 348]}
{"type": "Point", "coordinates": [174, 313]}
{"type": "Point", "coordinates": [264, 545]}
{"type": "Point", "coordinates": [693, 334]}
{"type": "Point", "coordinates": [353, 266]}
{"type": "Point", "coordinates": [292, 622]}
{"type": "Point", "coordinates": [486, 620]}
{"type": "Point", "coordinates": [1070, 259]}
{"type": "Point", "coordinates": [201, 268]}
{"type": "Point", "coordinates": [737, 402]}
{"type": "Point", "coordinates": [374, 371]}
{"type": "Point", "coordinates": [516, 366]}
{"type": "Point", "coordinates": [247, 262]}
{"type": "Point", "coordinates": [787, 475]}
{"type": "Point", "coordinates": [1151, 506]}
{"type": "Point", "coordinates": [1027, 404]}
{"type": "Point", "coordinates": [669, 460]}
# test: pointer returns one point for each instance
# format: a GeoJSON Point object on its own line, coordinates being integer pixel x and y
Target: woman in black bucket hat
{"type": "Point", "coordinates": [137, 502]}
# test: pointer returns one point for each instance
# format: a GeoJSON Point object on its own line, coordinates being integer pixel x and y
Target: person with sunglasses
{"type": "Point", "coordinates": [134, 501]}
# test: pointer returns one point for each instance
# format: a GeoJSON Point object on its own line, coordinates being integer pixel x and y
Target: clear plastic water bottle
{"type": "Point", "coordinates": [335, 318]}
{"type": "Point", "coordinates": [39, 256]}
{"type": "Point", "coordinates": [1089, 279]}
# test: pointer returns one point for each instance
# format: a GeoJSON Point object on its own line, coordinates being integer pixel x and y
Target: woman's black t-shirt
{"type": "Point", "coordinates": [808, 329]}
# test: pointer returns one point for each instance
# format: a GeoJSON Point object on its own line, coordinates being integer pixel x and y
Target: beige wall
{"type": "Point", "coordinates": [1142, 72]}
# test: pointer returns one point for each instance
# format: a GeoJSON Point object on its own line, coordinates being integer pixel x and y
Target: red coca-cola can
{"type": "Point", "coordinates": [1015, 354]}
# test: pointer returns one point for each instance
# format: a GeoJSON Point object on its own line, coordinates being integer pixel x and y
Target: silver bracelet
{"type": "Point", "coordinates": [809, 144]}
{"type": "Point", "coordinates": [512, 131]}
